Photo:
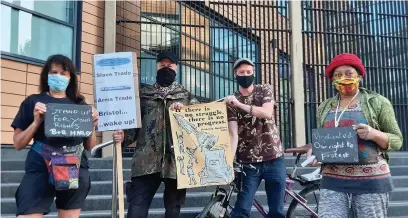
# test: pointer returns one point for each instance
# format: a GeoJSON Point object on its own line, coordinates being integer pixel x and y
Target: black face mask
{"type": "Point", "coordinates": [165, 76]}
{"type": "Point", "coordinates": [245, 81]}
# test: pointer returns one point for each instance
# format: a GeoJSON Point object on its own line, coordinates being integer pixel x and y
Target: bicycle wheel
{"type": "Point", "coordinates": [309, 193]}
{"type": "Point", "coordinates": [213, 208]}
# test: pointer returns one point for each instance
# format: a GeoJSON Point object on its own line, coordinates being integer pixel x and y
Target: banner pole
{"type": "Point", "coordinates": [114, 185]}
{"type": "Point", "coordinates": [119, 170]}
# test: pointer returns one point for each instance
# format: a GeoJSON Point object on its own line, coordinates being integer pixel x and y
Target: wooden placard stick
{"type": "Point", "coordinates": [118, 147]}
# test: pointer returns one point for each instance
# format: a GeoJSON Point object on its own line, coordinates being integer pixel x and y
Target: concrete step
{"type": "Point", "coordinates": [98, 203]}
{"type": "Point", "coordinates": [15, 176]}
{"type": "Point", "coordinates": [9, 153]}
{"type": "Point", "coordinates": [106, 163]}
{"type": "Point", "coordinates": [194, 199]}
{"type": "Point", "coordinates": [105, 187]}
{"type": "Point", "coordinates": [396, 210]}
{"type": "Point", "coordinates": [99, 163]}
{"type": "Point", "coordinates": [153, 213]}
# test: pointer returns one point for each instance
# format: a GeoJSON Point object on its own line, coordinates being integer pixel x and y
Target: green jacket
{"type": "Point", "coordinates": [379, 113]}
{"type": "Point", "coordinates": [154, 145]}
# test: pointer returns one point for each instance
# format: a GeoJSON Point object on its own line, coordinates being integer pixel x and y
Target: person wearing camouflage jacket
{"type": "Point", "coordinates": [153, 161]}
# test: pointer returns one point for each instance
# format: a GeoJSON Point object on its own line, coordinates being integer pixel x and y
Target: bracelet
{"type": "Point", "coordinates": [250, 110]}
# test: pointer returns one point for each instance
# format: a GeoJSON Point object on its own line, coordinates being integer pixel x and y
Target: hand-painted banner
{"type": "Point", "coordinates": [202, 145]}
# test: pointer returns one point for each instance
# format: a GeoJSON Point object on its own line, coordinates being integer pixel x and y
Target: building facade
{"type": "Point", "coordinates": [208, 36]}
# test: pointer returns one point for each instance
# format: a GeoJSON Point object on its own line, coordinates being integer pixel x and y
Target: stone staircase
{"type": "Point", "coordinates": [98, 203]}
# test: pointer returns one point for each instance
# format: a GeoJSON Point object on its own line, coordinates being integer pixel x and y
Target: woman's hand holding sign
{"type": "Point", "coordinates": [366, 132]}
{"type": "Point", "coordinates": [39, 111]}
{"type": "Point", "coordinates": [314, 163]}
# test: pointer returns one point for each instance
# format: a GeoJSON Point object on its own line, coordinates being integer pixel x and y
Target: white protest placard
{"type": "Point", "coordinates": [116, 91]}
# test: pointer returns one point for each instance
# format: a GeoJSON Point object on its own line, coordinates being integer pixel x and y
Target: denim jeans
{"type": "Point", "coordinates": [274, 174]}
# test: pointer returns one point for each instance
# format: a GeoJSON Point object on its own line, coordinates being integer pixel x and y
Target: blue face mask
{"type": "Point", "coordinates": [57, 82]}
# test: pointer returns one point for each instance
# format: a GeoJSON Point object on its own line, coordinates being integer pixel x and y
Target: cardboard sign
{"type": "Point", "coordinates": [68, 120]}
{"type": "Point", "coordinates": [116, 89]}
{"type": "Point", "coordinates": [202, 145]}
{"type": "Point", "coordinates": [335, 145]}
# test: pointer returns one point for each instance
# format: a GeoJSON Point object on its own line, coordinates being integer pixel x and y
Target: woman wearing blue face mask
{"type": "Point", "coordinates": [40, 185]}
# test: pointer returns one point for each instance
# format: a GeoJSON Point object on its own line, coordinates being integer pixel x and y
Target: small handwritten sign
{"type": "Point", "coordinates": [335, 145]}
{"type": "Point", "coordinates": [68, 120]}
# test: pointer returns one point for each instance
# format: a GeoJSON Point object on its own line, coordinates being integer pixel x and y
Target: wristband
{"type": "Point", "coordinates": [250, 110]}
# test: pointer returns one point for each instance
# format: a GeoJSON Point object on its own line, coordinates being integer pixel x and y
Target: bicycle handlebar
{"type": "Point", "coordinates": [308, 161]}
{"type": "Point", "coordinates": [303, 164]}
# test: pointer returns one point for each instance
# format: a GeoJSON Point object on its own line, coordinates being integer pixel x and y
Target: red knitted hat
{"type": "Point", "coordinates": [345, 59]}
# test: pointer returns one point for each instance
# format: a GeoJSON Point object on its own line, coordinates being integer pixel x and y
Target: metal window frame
{"type": "Point", "coordinates": [282, 9]}
{"type": "Point", "coordinates": [306, 20]}
{"type": "Point", "coordinates": [76, 35]}
{"type": "Point", "coordinates": [220, 20]}
{"type": "Point", "coordinates": [375, 31]}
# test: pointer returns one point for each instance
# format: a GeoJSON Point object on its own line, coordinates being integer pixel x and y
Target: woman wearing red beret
{"type": "Point", "coordinates": [358, 189]}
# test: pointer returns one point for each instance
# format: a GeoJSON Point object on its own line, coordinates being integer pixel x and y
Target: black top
{"type": "Point", "coordinates": [25, 117]}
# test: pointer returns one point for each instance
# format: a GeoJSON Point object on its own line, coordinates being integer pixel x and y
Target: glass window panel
{"type": "Point", "coordinates": [156, 37]}
{"type": "Point", "coordinates": [61, 10]}
{"type": "Point", "coordinates": [282, 7]}
{"type": "Point", "coordinates": [148, 68]}
{"type": "Point", "coordinates": [28, 35]}
{"type": "Point", "coordinates": [7, 23]}
{"type": "Point", "coordinates": [221, 65]}
{"type": "Point", "coordinates": [196, 81]}
{"type": "Point", "coordinates": [283, 65]}
{"type": "Point", "coordinates": [228, 46]}
{"type": "Point", "coordinates": [285, 124]}
{"type": "Point", "coordinates": [224, 87]}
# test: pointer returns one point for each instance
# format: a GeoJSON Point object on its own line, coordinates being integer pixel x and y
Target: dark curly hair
{"type": "Point", "coordinates": [67, 65]}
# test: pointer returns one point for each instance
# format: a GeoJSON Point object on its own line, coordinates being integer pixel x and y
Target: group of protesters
{"type": "Point", "coordinates": [360, 189]}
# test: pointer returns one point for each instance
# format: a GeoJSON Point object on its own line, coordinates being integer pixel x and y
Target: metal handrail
{"type": "Point", "coordinates": [100, 146]}
{"type": "Point", "coordinates": [114, 211]}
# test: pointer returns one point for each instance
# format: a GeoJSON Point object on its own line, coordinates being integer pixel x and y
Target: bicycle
{"type": "Point", "coordinates": [219, 205]}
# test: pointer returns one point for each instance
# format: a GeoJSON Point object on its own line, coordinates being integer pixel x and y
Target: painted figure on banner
{"type": "Point", "coordinates": [180, 159]}
{"type": "Point", "coordinates": [191, 155]}
{"type": "Point", "coordinates": [180, 142]}
{"type": "Point", "coordinates": [190, 173]}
